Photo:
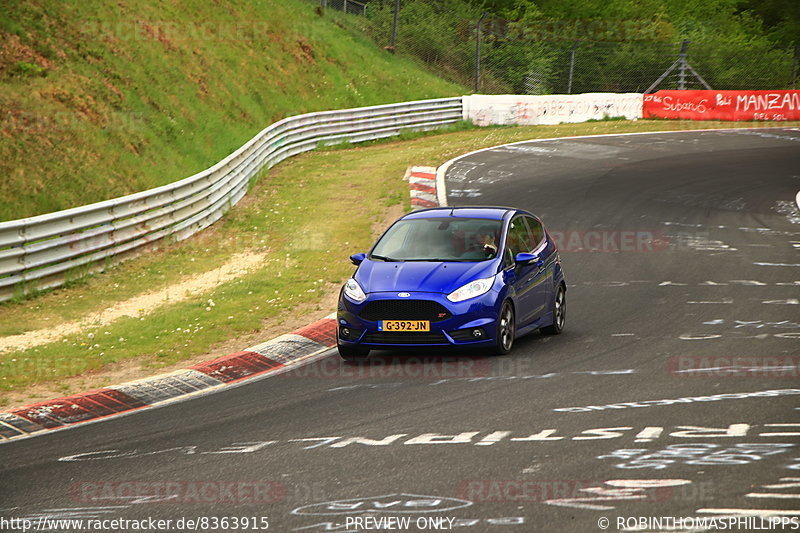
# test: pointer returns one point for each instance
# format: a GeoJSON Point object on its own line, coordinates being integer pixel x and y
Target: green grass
{"type": "Point", "coordinates": [301, 211]}
{"type": "Point", "coordinates": [104, 98]}
{"type": "Point", "coordinates": [606, 118]}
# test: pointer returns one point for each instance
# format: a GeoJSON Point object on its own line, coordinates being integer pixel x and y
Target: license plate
{"type": "Point", "coordinates": [404, 325]}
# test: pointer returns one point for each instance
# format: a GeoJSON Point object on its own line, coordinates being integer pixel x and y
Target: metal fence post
{"type": "Point", "coordinates": [345, 7]}
{"type": "Point", "coordinates": [571, 66]}
{"type": "Point", "coordinates": [394, 27]}
{"type": "Point", "coordinates": [682, 66]}
{"type": "Point", "coordinates": [478, 51]}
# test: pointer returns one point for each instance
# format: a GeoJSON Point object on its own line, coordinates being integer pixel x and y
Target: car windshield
{"type": "Point", "coordinates": [439, 239]}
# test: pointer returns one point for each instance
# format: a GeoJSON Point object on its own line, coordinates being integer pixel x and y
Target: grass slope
{"type": "Point", "coordinates": [103, 98]}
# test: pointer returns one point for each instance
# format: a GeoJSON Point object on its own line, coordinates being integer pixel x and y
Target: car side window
{"type": "Point", "coordinates": [537, 232]}
{"type": "Point", "coordinates": [508, 259]}
{"type": "Point", "coordinates": [519, 237]}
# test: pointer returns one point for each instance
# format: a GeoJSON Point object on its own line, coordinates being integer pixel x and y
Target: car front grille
{"type": "Point", "coordinates": [405, 338]}
{"type": "Point", "coordinates": [405, 310]}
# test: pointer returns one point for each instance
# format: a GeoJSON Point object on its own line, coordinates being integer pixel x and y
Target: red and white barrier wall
{"type": "Point", "coordinates": [723, 105]}
{"type": "Point", "coordinates": [508, 109]}
{"type": "Point", "coordinates": [526, 110]}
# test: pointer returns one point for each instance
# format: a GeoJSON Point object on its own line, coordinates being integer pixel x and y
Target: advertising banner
{"type": "Point", "coordinates": [723, 105]}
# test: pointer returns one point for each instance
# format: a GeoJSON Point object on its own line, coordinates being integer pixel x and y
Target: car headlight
{"type": "Point", "coordinates": [471, 290]}
{"type": "Point", "coordinates": [353, 291]}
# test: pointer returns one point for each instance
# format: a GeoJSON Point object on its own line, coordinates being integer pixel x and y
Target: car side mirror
{"type": "Point", "coordinates": [358, 258]}
{"type": "Point", "coordinates": [525, 258]}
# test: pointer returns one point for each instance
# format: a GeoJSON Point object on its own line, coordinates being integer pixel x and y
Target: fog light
{"type": "Point", "coordinates": [349, 334]}
{"type": "Point", "coordinates": [477, 333]}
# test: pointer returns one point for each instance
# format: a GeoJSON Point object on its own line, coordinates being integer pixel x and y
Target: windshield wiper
{"type": "Point", "coordinates": [387, 259]}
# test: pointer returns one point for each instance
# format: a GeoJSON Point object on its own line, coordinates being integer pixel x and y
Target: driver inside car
{"type": "Point", "coordinates": [484, 246]}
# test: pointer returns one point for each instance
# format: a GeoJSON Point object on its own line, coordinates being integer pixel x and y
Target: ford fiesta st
{"type": "Point", "coordinates": [464, 276]}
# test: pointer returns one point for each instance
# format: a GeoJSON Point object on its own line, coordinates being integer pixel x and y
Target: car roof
{"type": "Point", "coordinates": [488, 212]}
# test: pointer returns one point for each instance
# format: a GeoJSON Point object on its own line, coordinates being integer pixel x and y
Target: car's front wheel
{"type": "Point", "coordinates": [559, 313]}
{"type": "Point", "coordinates": [352, 353]}
{"type": "Point", "coordinates": [506, 329]}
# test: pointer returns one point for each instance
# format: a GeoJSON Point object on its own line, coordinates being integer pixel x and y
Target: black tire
{"type": "Point", "coordinates": [352, 353]}
{"type": "Point", "coordinates": [559, 313]}
{"type": "Point", "coordinates": [506, 329]}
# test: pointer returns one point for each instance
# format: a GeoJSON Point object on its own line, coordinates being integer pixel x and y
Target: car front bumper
{"type": "Point", "coordinates": [470, 323]}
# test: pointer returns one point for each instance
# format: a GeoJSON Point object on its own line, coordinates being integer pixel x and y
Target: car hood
{"type": "Point", "coordinates": [422, 276]}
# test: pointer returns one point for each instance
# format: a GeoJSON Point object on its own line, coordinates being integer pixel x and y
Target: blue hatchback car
{"type": "Point", "coordinates": [463, 276]}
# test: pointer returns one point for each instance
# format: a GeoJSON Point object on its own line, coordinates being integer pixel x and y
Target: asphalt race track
{"type": "Point", "coordinates": [673, 392]}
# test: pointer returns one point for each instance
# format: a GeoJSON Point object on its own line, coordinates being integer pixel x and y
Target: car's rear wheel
{"type": "Point", "coordinates": [506, 329]}
{"type": "Point", "coordinates": [559, 313]}
{"type": "Point", "coordinates": [352, 353]}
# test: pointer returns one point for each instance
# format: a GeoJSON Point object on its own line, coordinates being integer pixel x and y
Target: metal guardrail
{"type": "Point", "coordinates": [47, 250]}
